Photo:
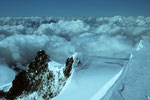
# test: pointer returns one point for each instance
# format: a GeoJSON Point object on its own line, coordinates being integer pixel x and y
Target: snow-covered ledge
{"type": "Point", "coordinates": [134, 82]}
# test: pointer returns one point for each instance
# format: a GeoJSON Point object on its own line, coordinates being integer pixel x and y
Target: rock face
{"type": "Point", "coordinates": [19, 85]}
{"type": "Point", "coordinates": [39, 78]}
{"type": "Point", "coordinates": [68, 68]}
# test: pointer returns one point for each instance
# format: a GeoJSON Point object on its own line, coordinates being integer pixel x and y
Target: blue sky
{"type": "Point", "coordinates": [74, 8]}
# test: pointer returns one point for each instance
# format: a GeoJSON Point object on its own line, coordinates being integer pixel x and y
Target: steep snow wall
{"type": "Point", "coordinates": [106, 87]}
{"type": "Point", "coordinates": [133, 83]}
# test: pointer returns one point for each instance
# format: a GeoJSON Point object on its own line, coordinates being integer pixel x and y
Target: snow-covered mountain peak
{"type": "Point", "coordinates": [42, 79]}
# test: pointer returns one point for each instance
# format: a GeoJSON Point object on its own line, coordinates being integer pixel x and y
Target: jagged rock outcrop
{"type": "Point", "coordinates": [68, 68]}
{"type": "Point", "coordinates": [39, 78]}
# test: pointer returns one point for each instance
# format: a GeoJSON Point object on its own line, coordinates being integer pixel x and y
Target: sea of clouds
{"type": "Point", "coordinates": [21, 38]}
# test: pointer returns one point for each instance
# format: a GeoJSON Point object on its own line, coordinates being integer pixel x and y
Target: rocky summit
{"type": "Point", "coordinates": [39, 79]}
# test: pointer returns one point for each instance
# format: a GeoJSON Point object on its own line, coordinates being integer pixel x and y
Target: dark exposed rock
{"type": "Point", "coordinates": [68, 68]}
{"type": "Point", "coordinates": [22, 80]}
{"type": "Point", "coordinates": [20, 83]}
{"type": "Point", "coordinates": [48, 22]}
{"type": "Point", "coordinates": [40, 53]}
{"type": "Point", "coordinates": [36, 77]}
{"type": "Point", "coordinates": [2, 94]}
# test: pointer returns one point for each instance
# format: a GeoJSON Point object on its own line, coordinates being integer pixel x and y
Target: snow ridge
{"type": "Point", "coordinates": [133, 83]}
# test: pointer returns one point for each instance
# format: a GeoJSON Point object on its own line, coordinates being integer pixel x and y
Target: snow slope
{"type": "Point", "coordinates": [106, 87]}
{"type": "Point", "coordinates": [85, 82]}
{"type": "Point", "coordinates": [93, 72]}
{"type": "Point", "coordinates": [113, 37]}
{"type": "Point", "coordinates": [133, 83]}
{"type": "Point", "coordinates": [6, 75]}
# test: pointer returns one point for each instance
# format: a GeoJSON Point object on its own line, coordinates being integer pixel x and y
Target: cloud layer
{"type": "Point", "coordinates": [20, 38]}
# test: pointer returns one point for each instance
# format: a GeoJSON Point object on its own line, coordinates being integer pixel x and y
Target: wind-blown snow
{"type": "Point", "coordinates": [133, 83]}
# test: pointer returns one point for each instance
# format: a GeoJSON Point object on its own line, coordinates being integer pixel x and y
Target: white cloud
{"type": "Point", "coordinates": [20, 38]}
{"type": "Point", "coordinates": [69, 28]}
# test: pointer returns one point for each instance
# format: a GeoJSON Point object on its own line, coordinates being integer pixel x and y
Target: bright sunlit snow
{"type": "Point", "coordinates": [85, 83]}
{"type": "Point", "coordinates": [111, 58]}
{"type": "Point", "coordinates": [133, 83]}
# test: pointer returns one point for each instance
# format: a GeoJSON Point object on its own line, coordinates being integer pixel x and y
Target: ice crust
{"type": "Point", "coordinates": [133, 83]}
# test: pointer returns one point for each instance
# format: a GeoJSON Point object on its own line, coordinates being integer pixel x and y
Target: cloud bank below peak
{"type": "Point", "coordinates": [117, 36]}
